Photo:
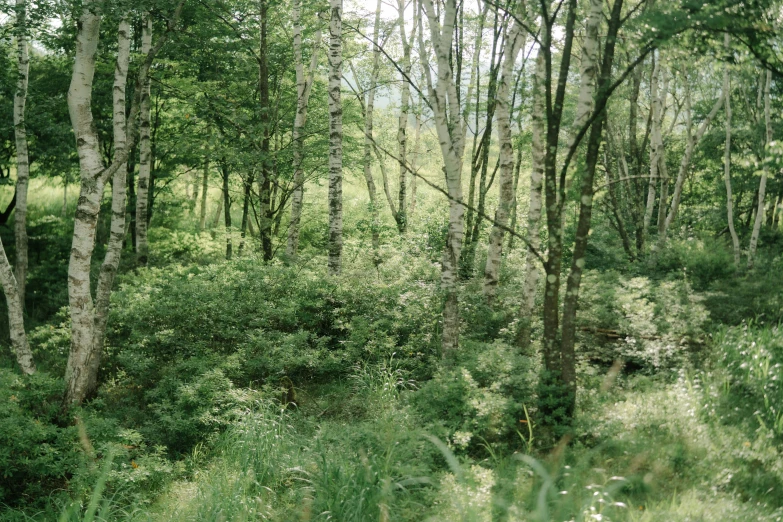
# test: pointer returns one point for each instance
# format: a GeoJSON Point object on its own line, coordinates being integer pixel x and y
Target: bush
{"type": "Point", "coordinates": [651, 325]}
{"type": "Point", "coordinates": [37, 453]}
{"type": "Point", "coordinates": [480, 398]}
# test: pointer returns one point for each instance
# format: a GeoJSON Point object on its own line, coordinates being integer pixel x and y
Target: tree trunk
{"type": "Point", "coordinates": [571, 299]}
{"type": "Point", "coordinates": [303, 88]}
{"type": "Point", "coordinates": [448, 124]}
{"type": "Point", "coordinates": [335, 138]}
{"type": "Point", "coordinates": [480, 160]}
{"type": "Point", "coordinates": [727, 162]}
{"type": "Point", "coordinates": [202, 219]}
{"type": "Point", "coordinates": [145, 153]}
{"type": "Point", "coordinates": [515, 42]}
{"type": "Point", "coordinates": [369, 111]}
{"type": "Point", "coordinates": [248, 183]}
{"type": "Point", "coordinates": [760, 214]}
{"type": "Point", "coordinates": [402, 125]}
{"type": "Point", "coordinates": [656, 143]}
{"type": "Point", "coordinates": [22, 159]}
{"type": "Point", "coordinates": [692, 142]}
{"type": "Point", "coordinates": [226, 208]}
{"type": "Point", "coordinates": [219, 210]}
{"type": "Point", "coordinates": [265, 181]}
{"type": "Point", "coordinates": [415, 159]}
{"type": "Point", "coordinates": [111, 261]}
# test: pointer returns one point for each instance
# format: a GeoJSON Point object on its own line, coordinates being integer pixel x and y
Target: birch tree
{"type": "Point", "coordinates": [145, 152]}
{"type": "Point", "coordinates": [22, 157]}
{"type": "Point", "coordinates": [691, 143]}
{"type": "Point", "coordinates": [111, 260]}
{"type": "Point", "coordinates": [335, 138]}
{"type": "Point", "coordinates": [515, 42]}
{"type": "Point", "coordinates": [304, 85]}
{"type": "Point", "coordinates": [444, 103]}
{"type": "Point", "coordinates": [760, 215]}
{"type": "Point", "coordinates": [86, 319]}
{"type": "Point", "coordinates": [727, 162]}
{"type": "Point", "coordinates": [366, 99]}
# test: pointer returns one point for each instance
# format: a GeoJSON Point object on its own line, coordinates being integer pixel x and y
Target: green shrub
{"type": "Point", "coordinates": [37, 453]}
{"type": "Point", "coordinates": [651, 325]}
{"type": "Point", "coordinates": [480, 398]}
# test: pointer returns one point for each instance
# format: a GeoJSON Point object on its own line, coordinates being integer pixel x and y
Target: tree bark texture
{"type": "Point", "coordinates": [335, 244]}
{"type": "Point", "coordinates": [515, 42]}
{"type": "Point", "coordinates": [145, 153]}
{"type": "Point", "coordinates": [22, 157]}
{"type": "Point", "coordinates": [760, 214]}
{"type": "Point", "coordinates": [304, 86]}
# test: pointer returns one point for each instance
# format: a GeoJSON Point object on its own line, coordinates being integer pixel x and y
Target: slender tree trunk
{"type": "Point", "coordinates": [481, 162]}
{"type": "Point", "coordinates": [532, 273]}
{"type": "Point", "coordinates": [248, 183]}
{"type": "Point", "coordinates": [265, 181]}
{"type": "Point", "coordinates": [474, 85]}
{"type": "Point", "coordinates": [515, 42]}
{"type": "Point", "coordinates": [448, 124]}
{"type": "Point", "coordinates": [218, 210]}
{"type": "Point", "coordinates": [145, 153]}
{"type": "Point", "coordinates": [415, 159]}
{"type": "Point", "coordinates": [226, 208]}
{"type": "Point", "coordinates": [111, 261]}
{"type": "Point", "coordinates": [692, 142]}
{"type": "Point", "coordinates": [303, 89]}
{"type": "Point", "coordinates": [88, 207]}
{"type": "Point", "coordinates": [335, 138]}
{"type": "Point", "coordinates": [19, 343]}
{"type": "Point", "coordinates": [656, 144]}
{"type": "Point", "coordinates": [202, 219]}
{"type": "Point", "coordinates": [760, 214]}
{"type": "Point", "coordinates": [22, 160]}
{"type": "Point", "coordinates": [402, 126]}
{"type": "Point", "coordinates": [571, 299]}
{"type": "Point", "coordinates": [369, 112]}
{"type": "Point", "coordinates": [727, 163]}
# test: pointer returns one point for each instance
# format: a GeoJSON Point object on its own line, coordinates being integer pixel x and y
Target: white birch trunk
{"type": "Point", "coordinates": [449, 127]}
{"type": "Point", "coordinates": [88, 206]}
{"type": "Point", "coordinates": [202, 218]}
{"type": "Point", "coordinates": [335, 138]}
{"type": "Point", "coordinates": [692, 143]}
{"type": "Point", "coordinates": [515, 42]}
{"type": "Point", "coordinates": [145, 153]}
{"type": "Point", "coordinates": [415, 158]}
{"type": "Point", "coordinates": [303, 88]}
{"type": "Point", "coordinates": [402, 124]}
{"type": "Point", "coordinates": [369, 143]}
{"type": "Point", "coordinates": [19, 343]}
{"type": "Point", "coordinates": [111, 261]}
{"type": "Point", "coordinates": [654, 145]}
{"type": "Point", "coordinates": [760, 214]}
{"type": "Point", "coordinates": [22, 159]}
{"type": "Point", "coordinates": [727, 162]}
{"type": "Point", "coordinates": [532, 272]}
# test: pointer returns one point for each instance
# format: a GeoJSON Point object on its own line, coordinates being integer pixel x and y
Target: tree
{"type": "Point", "coordinates": [335, 138]}
{"type": "Point", "coordinates": [444, 103]}
{"type": "Point", "coordinates": [145, 153]}
{"type": "Point", "coordinates": [516, 41]}
{"type": "Point", "coordinates": [304, 86]}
